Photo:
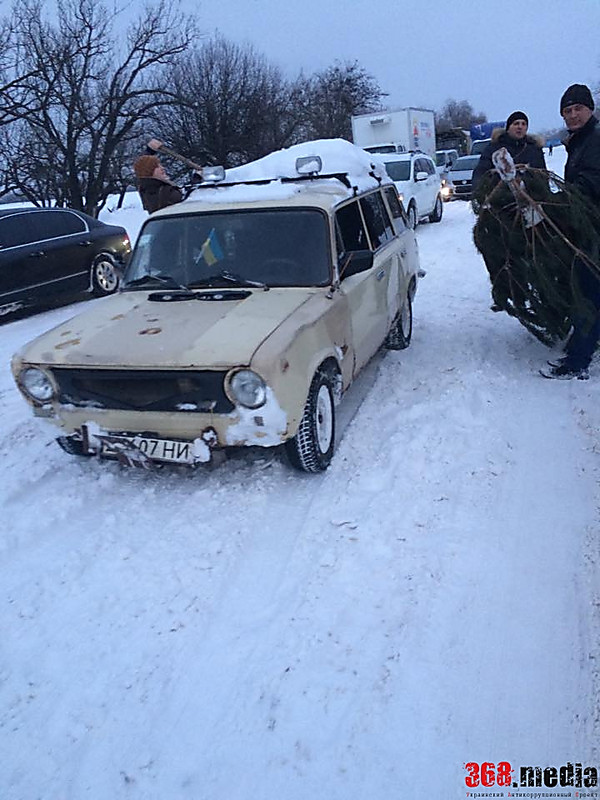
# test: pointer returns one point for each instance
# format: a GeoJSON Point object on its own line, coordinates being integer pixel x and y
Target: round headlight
{"type": "Point", "coordinates": [248, 389]}
{"type": "Point", "coordinates": [36, 384]}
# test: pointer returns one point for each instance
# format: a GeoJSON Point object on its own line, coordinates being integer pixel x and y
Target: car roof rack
{"type": "Point", "coordinates": [343, 177]}
{"type": "Point", "coordinates": [340, 176]}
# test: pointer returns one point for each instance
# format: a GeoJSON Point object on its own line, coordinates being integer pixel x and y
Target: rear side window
{"type": "Point", "coordinates": [424, 165]}
{"type": "Point", "coordinates": [396, 208]}
{"type": "Point", "coordinates": [351, 229]}
{"type": "Point", "coordinates": [51, 224]}
{"type": "Point", "coordinates": [14, 230]}
{"type": "Point", "coordinates": [377, 218]}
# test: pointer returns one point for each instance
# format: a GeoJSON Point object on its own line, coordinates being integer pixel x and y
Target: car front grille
{"type": "Point", "coordinates": [143, 390]}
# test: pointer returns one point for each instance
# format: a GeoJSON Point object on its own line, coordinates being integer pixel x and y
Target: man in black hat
{"type": "Point", "coordinates": [524, 149]}
{"type": "Point", "coordinates": [582, 170]}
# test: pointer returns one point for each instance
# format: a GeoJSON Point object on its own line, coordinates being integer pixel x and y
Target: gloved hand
{"type": "Point", "coordinates": [475, 205]}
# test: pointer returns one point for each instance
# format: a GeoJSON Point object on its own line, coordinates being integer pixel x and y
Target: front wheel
{"type": "Point", "coordinates": [413, 217]}
{"type": "Point", "coordinates": [401, 331]}
{"type": "Point", "coordinates": [438, 210]}
{"type": "Point", "coordinates": [105, 277]}
{"type": "Point", "coordinates": [311, 449]}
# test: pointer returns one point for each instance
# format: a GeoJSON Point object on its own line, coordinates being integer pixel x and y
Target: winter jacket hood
{"type": "Point", "coordinates": [529, 138]}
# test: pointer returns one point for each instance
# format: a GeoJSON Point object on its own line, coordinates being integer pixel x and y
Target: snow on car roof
{"type": "Point", "coordinates": [337, 156]}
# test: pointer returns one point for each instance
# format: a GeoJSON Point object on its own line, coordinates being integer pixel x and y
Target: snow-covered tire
{"type": "Point", "coordinates": [413, 217]}
{"type": "Point", "coordinates": [311, 449]}
{"type": "Point", "coordinates": [438, 210]}
{"type": "Point", "coordinates": [105, 276]}
{"type": "Point", "coordinates": [401, 331]}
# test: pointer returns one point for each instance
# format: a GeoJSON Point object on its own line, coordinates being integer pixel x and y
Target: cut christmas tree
{"type": "Point", "coordinates": [540, 240]}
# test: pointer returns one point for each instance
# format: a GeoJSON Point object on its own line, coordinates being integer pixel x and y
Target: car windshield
{"type": "Point", "coordinates": [279, 247]}
{"type": "Point", "coordinates": [440, 159]}
{"type": "Point", "coordinates": [398, 170]}
{"type": "Point", "coordinates": [468, 162]}
{"type": "Point", "coordinates": [479, 145]}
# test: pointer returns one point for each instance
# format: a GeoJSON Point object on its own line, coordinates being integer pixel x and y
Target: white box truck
{"type": "Point", "coordinates": [395, 131]}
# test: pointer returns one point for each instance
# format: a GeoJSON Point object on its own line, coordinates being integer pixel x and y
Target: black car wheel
{"type": "Point", "coordinates": [413, 218]}
{"type": "Point", "coordinates": [105, 276]}
{"type": "Point", "coordinates": [438, 210]}
{"type": "Point", "coordinates": [401, 331]}
{"type": "Point", "coordinates": [311, 449]}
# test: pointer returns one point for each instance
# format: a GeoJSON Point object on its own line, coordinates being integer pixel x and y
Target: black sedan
{"type": "Point", "coordinates": [52, 254]}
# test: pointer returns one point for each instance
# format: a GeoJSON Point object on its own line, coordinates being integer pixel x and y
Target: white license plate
{"type": "Point", "coordinates": [169, 450]}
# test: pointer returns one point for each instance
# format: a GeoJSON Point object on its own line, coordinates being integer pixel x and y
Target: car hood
{"type": "Point", "coordinates": [130, 330]}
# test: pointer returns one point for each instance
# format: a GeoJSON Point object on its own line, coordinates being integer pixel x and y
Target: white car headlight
{"type": "Point", "coordinates": [247, 388]}
{"type": "Point", "coordinates": [37, 384]}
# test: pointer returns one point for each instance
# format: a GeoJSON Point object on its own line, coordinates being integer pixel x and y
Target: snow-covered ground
{"type": "Point", "coordinates": [252, 633]}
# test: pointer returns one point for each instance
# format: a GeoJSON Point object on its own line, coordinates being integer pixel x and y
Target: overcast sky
{"type": "Point", "coordinates": [501, 56]}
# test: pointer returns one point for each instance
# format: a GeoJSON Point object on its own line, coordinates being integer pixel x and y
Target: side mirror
{"type": "Point", "coordinates": [355, 262]}
{"type": "Point", "coordinates": [421, 176]}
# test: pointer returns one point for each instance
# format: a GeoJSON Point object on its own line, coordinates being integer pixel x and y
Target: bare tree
{"type": "Point", "coordinates": [457, 114]}
{"type": "Point", "coordinates": [15, 100]}
{"type": "Point", "coordinates": [91, 98]}
{"type": "Point", "coordinates": [232, 105]}
{"type": "Point", "coordinates": [335, 95]}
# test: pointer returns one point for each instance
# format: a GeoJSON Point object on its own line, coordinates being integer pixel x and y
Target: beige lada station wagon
{"type": "Point", "coordinates": [245, 313]}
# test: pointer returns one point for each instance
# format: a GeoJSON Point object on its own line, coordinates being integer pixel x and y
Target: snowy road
{"type": "Point", "coordinates": [250, 633]}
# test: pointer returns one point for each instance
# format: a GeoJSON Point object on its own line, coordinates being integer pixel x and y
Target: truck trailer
{"type": "Point", "coordinates": [396, 131]}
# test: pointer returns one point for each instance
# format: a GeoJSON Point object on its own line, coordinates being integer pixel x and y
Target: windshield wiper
{"type": "Point", "coordinates": [164, 280]}
{"type": "Point", "coordinates": [228, 277]}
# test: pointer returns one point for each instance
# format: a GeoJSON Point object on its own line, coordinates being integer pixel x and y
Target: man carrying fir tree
{"type": "Point", "coordinates": [524, 149]}
{"type": "Point", "coordinates": [582, 171]}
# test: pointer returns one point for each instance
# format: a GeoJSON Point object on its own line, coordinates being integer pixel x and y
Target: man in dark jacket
{"type": "Point", "coordinates": [523, 148]}
{"type": "Point", "coordinates": [582, 171]}
{"type": "Point", "coordinates": [154, 186]}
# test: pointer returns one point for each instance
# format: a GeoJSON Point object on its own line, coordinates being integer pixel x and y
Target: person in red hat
{"type": "Point", "coordinates": [154, 186]}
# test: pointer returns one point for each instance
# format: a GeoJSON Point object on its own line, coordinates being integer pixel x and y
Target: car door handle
{"type": "Point", "coordinates": [85, 244]}
{"type": "Point", "coordinates": [37, 254]}
{"type": "Point", "coordinates": [403, 252]}
{"type": "Point", "coordinates": [380, 275]}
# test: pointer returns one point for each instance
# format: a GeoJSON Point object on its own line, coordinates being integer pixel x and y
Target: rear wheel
{"type": "Point", "coordinates": [401, 331]}
{"type": "Point", "coordinates": [438, 210]}
{"type": "Point", "coordinates": [311, 449]}
{"type": "Point", "coordinates": [105, 277]}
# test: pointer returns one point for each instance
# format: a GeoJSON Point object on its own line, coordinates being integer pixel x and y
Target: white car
{"type": "Point", "coordinates": [444, 159]}
{"type": "Point", "coordinates": [419, 185]}
{"type": "Point", "coordinates": [245, 313]}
